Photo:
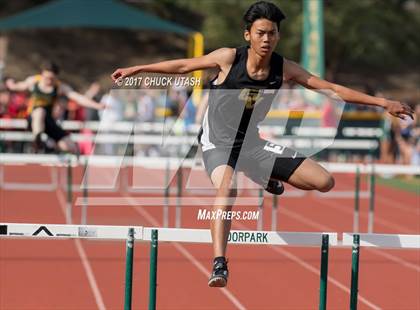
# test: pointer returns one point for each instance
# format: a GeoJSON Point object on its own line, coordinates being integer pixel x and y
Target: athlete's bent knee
{"type": "Point", "coordinates": [326, 184]}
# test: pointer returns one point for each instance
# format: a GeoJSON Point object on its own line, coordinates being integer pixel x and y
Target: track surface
{"type": "Point", "coordinates": [70, 274]}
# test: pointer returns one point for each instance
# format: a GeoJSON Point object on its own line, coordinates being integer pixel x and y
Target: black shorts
{"type": "Point", "coordinates": [262, 161]}
{"type": "Point", "coordinates": [52, 130]}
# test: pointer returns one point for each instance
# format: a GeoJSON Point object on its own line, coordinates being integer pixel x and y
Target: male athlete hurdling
{"type": "Point", "coordinates": [44, 90]}
{"type": "Point", "coordinates": [240, 97]}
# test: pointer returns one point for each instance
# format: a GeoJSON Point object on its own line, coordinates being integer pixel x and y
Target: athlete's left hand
{"type": "Point", "coordinates": [9, 83]}
{"type": "Point", "coordinates": [399, 109]}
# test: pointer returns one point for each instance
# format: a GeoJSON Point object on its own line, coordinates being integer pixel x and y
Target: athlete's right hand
{"type": "Point", "coordinates": [123, 72]}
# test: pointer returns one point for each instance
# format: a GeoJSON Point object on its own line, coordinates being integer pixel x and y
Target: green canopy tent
{"type": "Point", "coordinates": [96, 14]}
{"type": "Point", "coordinates": [89, 13]}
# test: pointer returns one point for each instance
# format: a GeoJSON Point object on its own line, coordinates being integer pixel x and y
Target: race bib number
{"type": "Point", "coordinates": [274, 148]}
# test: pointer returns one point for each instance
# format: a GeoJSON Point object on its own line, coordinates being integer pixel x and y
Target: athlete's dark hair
{"type": "Point", "coordinates": [263, 9]}
{"type": "Point", "coordinates": [50, 66]}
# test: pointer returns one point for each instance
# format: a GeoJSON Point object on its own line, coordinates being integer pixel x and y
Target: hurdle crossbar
{"type": "Point", "coordinates": [165, 234]}
{"type": "Point", "coordinates": [242, 237]}
{"type": "Point", "coordinates": [395, 241]}
{"type": "Point", "coordinates": [68, 231]}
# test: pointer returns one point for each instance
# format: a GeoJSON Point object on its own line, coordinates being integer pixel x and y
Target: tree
{"type": "Point", "coordinates": [365, 35]}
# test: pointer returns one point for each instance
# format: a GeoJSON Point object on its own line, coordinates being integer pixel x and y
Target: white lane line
{"type": "Point", "coordinates": [378, 251]}
{"type": "Point", "coordinates": [396, 259]}
{"type": "Point", "coordinates": [206, 273]}
{"type": "Point", "coordinates": [314, 270]}
{"type": "Point", "coordinates": [378, 219]}
{"type": "Point", "coordinates": [229, 295]}
{"type": "Point", "coordinates": [392, 203]}
{"type": "Point", "coordinates": [308, 266]}
{"type": "Point", "coordinates": [91, 276]}
{"type": "Point", "coordinates": [85, 261]}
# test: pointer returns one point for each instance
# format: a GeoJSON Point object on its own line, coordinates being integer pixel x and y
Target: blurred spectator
{"type": "Point", "coordinates": [94, 93]}
{"type": "Point", "coordinates": [114, 110]}
{"type": "Point", "coordinates": [112, 113]}
{"type": "Point", "coordinates": [86, 144]}
{"type": "Point", "coordinates": [17, 107]}
{"type": "Point", "coordinates": [129, 98]}
{"type": "Point", "coordinates": [405, 140]}
{"type": "Point", "coordinates": [74, 111]}
{"type": "Point", "coordinates": [145, 107]}
{"type": "Point", "coordinates": [328, 114]}
{"type": "Point", "coordinates": [145, 113]}
{"type": "Point", "coordinates": [202, 107]}
{"type": "Point", "coordinates": [175, 101]}
{"type": "Point", "coordinates": [4, 102]}
{"type": "Point", "coordinates": [387, 140]}
{"type": "Point", "coordinates": [415, 159]}
{"type": "Point", "coordinates": [297, 101]}
{"type": "Point", "coordinates": [188, 112]}
{"type": "Point", "coordinates": [283, 98]}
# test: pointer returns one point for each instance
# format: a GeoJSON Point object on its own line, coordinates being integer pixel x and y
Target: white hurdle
{"type": "Point", "coordinates": [392, 241]}
{"type": "Point", "coordinates": [237, 237]}
{"type": "Point", "coordinates": [183, 235]}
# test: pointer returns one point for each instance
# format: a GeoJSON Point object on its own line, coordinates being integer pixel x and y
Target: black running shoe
{"type": "Point", "coordinates": [275, 187]}
{"type": "Point", "coordinates": [220, 274]}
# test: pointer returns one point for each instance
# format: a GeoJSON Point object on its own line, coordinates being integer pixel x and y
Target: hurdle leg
{"type": "Point", "coordinates": [166, 194]}
{"type": "Point", "coordinates": [178, 209]}
{"type": "Point", "coordinates": [274, 213]}
{"type": "Point", "coordinates": [153, 269]}
{"type": "Point", "coordinates": [69, 191]}
{"type": "Point", "coordinates": [355, 272]}
{"type": "Point", "coordinates": [356, 201]}
{"type": "Point", "coordinates": [260, 209]}
{"type": "Point", "coordinates": [129, 269]}
{"type": "Point", "coordinates": [324, 273]}
{"type": "Point", "coordinates": [371, 200]}
{"type": "Point", "coordinates": [83, 216]}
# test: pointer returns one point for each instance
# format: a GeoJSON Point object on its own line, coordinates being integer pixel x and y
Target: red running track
{"type": "Point", "coordinates": [73, 274]}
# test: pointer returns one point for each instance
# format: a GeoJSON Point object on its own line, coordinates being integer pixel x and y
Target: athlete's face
{"type": "Point", "coordinates": [48, 77]}
{"type": "Point", "coordinates": [263, 36]}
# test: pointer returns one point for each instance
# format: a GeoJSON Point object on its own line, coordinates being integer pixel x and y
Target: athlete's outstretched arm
{"type": "Point", "coordinates": [24, 85]}
{"type": "Point", "coordinates": [178, 66]}
{"type": "Point", "coordinates": [296, 73]}
{"type": "Point", "coordinates": [79, 98]}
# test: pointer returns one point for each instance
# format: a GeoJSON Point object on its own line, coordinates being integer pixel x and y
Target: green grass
{"type": "Point", "coordinates": [409, 185]}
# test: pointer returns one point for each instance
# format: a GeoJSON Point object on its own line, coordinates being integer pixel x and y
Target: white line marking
{"type": "Point", "coordinates": [392, 203]}
{"type": "Point", "coordinates": [312, 269]}
{"type": "Point", "coordinates": [85, 261]}
{"type": "Point", "coordinates": [379, 252]}
{"type": "Point", "coordinates": [91, 276]}
{"type": "Point", "coordinates": [206, 273]}
{"type": "Point", "coordinates": [308, 266]}
{"type": "Point", "coordinates": [229, 295]}
{"type": "Point", "coordinates": [382, 221]}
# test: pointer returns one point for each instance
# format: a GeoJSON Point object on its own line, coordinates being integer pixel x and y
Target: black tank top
{"type": "Point", "coordinates": [239, 104]}
{"type": "Point", "coordinates": [39, 98]}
